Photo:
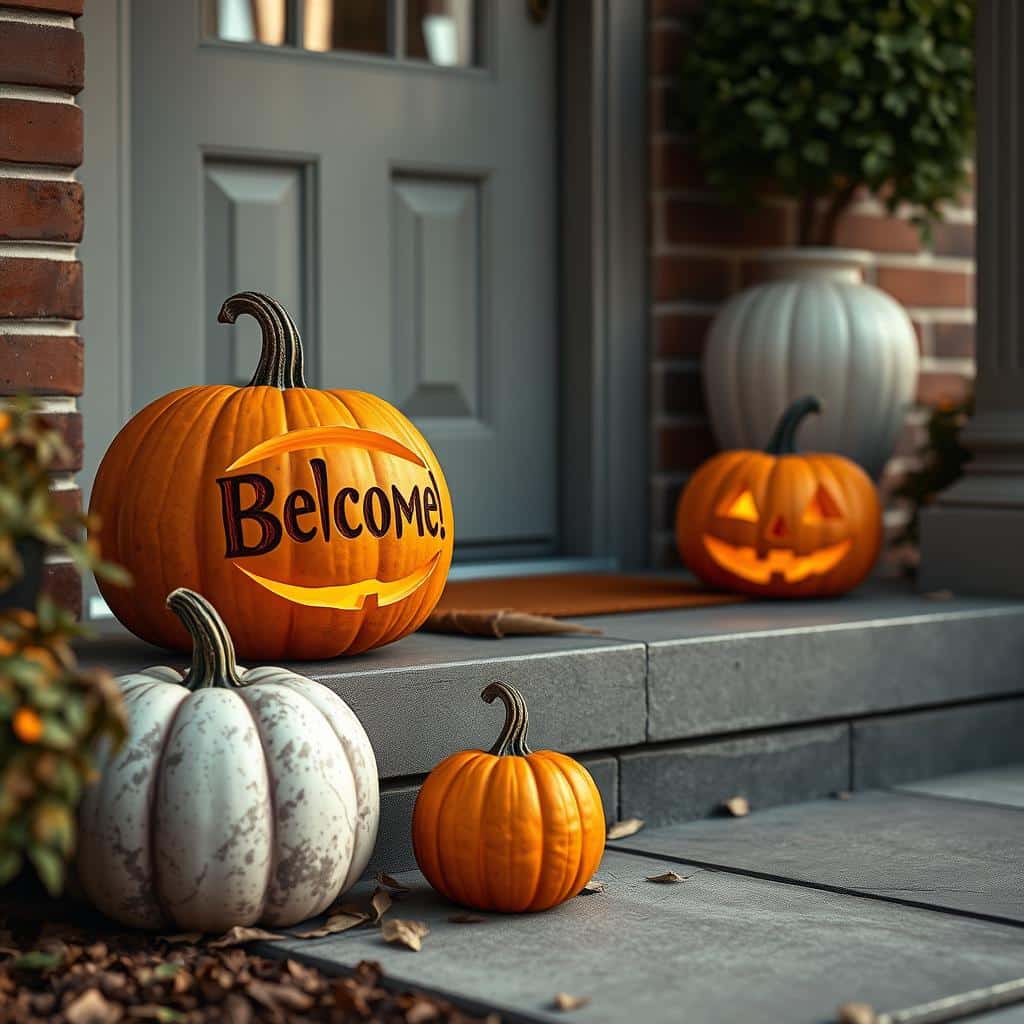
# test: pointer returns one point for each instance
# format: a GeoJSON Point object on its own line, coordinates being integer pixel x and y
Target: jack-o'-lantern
{"type": "Point", "coordinates": [318, 522]}
{"type": "Point", "coordinates": [779, 523]}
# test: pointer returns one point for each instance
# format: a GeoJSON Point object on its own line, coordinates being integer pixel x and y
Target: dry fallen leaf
{"type": "Point", "coordinates": [668, 878]}
{"type": "Point", "coordinates": [737, 806]}
{"type": "Point", "coordinates": [595, 885]}
{"type": "Point", "coordinates": [405, 933]}
{"type": "Point", "coordinates": [91, 1008]}
{"type": "Point", "coordinates": [856, 1013]}
{"type": "Point", "coordinates": [563, 1001]}
{"type": "Point", "coordinates": [842, 794]}
{"type": "Point", "coordinates": [383, 878]}
{"type": "Point", "coordinates": [937, 595]}
{"type": "Point", "coordinates": [188, 937]}
{"type": "Point", "coordinates": [467, 919]}
{"type": "Point", "coordinates": [381, 903]}
{"type": "Point", "coordinates": [240, 934]}
{"type": "Point", "coordinates": [628, 827]}
{"type": "Point", "coordinates": [334, 925]}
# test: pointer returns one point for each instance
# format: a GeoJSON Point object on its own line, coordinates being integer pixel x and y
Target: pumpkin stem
{"type": "Point", "coordinates": [213, 653]}
{"type": "Point", "coordinates": [512, 740]}
{"type": "Point", "coordinates": [280, 363]}
{"type": "Point", "coordinates": [783, 441]}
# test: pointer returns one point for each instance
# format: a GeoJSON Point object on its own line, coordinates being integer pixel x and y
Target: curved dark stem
{"type": "Point", "coordinates": [280, 363]}
{"type": "Point", "coordinates": [512, 740]}
{"type": "Point", "coordinates": [838, 204]}
{"type": "Point", "coordinates": [783, 441]}
{"type": "Point", "coordinates": [213, 653]}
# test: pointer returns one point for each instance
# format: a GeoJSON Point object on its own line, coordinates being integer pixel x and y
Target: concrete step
{"type": "Point", "coordinates": [675, 711]}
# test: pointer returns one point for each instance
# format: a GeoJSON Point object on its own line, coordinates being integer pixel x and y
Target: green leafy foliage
{"type": "Point", "coordinates": [818, 98]}
{"type": "Point", "coordinates": [29, 448]}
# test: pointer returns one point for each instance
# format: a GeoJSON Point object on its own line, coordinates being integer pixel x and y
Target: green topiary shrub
{"type": "Point", "coordinates": [818, 98]}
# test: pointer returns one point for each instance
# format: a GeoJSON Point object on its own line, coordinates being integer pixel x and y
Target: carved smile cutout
{"type": "Point", "coordinates": [348, 596]}
{"type": "Point", "coordinates": [745, 563]}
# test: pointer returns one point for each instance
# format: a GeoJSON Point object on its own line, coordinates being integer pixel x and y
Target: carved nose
{"type": "Point", "coordinates": [778, 527]}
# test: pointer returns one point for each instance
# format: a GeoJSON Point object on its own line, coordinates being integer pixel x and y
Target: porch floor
{"type": "Point", "coordinates": [892, 897]}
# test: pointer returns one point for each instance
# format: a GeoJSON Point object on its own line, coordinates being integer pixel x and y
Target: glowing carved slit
{"type": "Point", "coordinates": [348, 596]}
{"type": "Point", "coordinates": [744, 562]}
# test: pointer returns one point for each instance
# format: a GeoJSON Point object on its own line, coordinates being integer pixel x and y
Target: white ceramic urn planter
{"type": "Point", "coordinates": [238, 797]}
{"type": "Point", "coordinates": [815, 328]}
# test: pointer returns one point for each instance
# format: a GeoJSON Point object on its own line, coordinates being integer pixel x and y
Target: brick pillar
{"type": "Point", "coordinates": [41, 72]}
{"type": "Point", "coordinates": [972, 539]}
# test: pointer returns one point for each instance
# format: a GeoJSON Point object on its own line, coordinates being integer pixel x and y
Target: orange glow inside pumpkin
{"type": "Point", "coordinates": [742, 560]}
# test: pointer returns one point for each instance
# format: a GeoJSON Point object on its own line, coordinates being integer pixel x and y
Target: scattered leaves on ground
{"type": "Point", "coordinates": [381, 903]}
{"type": "Point", "coordinates": [667, 878]}
{"type": "Point", "coordinates": [563, 1001]}
{"type": "Point", "coordinates": [84, 971]}
{"type": "Point", "coordinates": [938, 595]}
{"type": "Point", "coordinates": [842, 794]}
{"type": "Point", "coordinates": [627, 827]}
{"type": "Point", "coordinates": [467, 919]}
{"type": "Point", "coordinates": [335, 925]}
{"type": "Point", "coordinates": [239, 935]}
{"type": "Point", "coordinates": [404, 933]}
{"type": "Point", "coordinates": [737, 806]}
{"type": "Point", "coordinates": [388, 882]}
{"type": "Point", "coordinates": [856, 1013]}
{"type": "Point", "coordinates": [595, 885]}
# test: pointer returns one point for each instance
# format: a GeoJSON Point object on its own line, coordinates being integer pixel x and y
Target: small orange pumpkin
{"type": "Point", "coordinates": [318, 522]}
{"type": "Point", "coordinates": [507, 829]}
{"type": "Point", "coordinates": [778, 523]}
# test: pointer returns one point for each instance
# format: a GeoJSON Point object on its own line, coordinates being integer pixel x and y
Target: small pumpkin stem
{"type": "Point", "coordinates": [213, 653]}
{"type": "Point", "coordinates": [783, 441]}
{"type": "Point", "coordinates": [280, 363]}
{"type": "Point", "coordinates": [512, 741]}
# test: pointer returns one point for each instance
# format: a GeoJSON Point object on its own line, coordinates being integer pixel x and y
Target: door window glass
{"type": "Point", "coordinates": [442, 32]}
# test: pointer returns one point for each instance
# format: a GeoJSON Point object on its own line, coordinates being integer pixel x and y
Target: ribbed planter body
{"type": "Point", "coordinates": [818, 329]}
{"type": "Point", "coordinates": [229, 806]}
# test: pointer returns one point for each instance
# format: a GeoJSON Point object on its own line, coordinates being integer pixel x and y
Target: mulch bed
{"type": "Point", "coordinates": [61, 962]}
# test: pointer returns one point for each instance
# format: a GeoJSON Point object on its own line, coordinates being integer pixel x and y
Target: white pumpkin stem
{"type": "Point", "coordinates": [512, 741]}
{"type": "Point", "coordinates": [213, 653]}
{"type": "Point", "coordinates": [280, 364]}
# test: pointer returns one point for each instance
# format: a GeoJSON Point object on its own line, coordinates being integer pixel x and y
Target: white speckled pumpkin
{"type": "Point", "coordinates": [239, 796]}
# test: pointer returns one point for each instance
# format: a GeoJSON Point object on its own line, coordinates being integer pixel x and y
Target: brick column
{"type": "Point", "coordinates": [41, 72]}
{"type": "Point", "coordinates": [972, 539]}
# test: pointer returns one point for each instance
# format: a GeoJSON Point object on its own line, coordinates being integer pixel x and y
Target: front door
{"type": "Point", "coordinates": [386, 170]}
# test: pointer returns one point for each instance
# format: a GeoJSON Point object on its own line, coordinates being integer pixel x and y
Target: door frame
{"type": "Point", "coordinates": [603, 292]}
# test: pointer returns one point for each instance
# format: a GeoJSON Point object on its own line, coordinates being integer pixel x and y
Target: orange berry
{"type": "Point", "coordinates": [27, 725]}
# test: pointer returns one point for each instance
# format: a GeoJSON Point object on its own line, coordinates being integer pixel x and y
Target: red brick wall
{"type": "Point", "coordinates": [41, 220]}
{"type": "Point", "coordinates": [700, 255]}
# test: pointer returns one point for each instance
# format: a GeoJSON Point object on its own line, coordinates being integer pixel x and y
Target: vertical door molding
{"type": "Point", "coordinates": [605, 359]}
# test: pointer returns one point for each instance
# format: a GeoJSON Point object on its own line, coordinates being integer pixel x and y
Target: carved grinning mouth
{"type": "Point", "coordinates": [348, 596]}
{"type": "Point", "coordinates": [783, 562]}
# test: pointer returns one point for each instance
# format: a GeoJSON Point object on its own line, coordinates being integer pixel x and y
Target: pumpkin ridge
{"type": "Point", "coordinates": [152, 801]}
{"type": "Point", "coordinates": [449, 793]}
{"type": "Point", "coordinates": [272, 802]}
{"type": "Point", "coordinates": [570, 771]}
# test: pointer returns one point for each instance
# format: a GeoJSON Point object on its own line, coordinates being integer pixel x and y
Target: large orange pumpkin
{"type": "Point", "coordinates": [318, 522]}
{"type": "Point", "coordinates": [507, 829]}
{"type": "Point", "coordinates": [777, 523]}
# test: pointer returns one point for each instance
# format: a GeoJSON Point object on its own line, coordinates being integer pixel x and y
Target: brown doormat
{"type": "Point", "coordinates": [529, 604]}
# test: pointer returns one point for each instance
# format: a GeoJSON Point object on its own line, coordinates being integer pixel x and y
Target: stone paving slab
{"type": "Point", "coordinates": [419, 699]}
{"type": "Point", "coordinates": [881, 648]}
{"type": "Point", "coordinates": [678, 782]}
{"type": "Point", "coordinates": [1004, 786]}
{"type": "Point", "coordinates": [718, 947]}
{"type": "Point", "coordinates": [963, 857]}
{"type": "Point", "coordinates": [902, 748]}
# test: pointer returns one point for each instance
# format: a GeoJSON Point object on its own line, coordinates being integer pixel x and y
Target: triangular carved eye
{"type": "Point", "coordinates": [822, 507]}
{"type": "Point", "coordinates": [742, 506]}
